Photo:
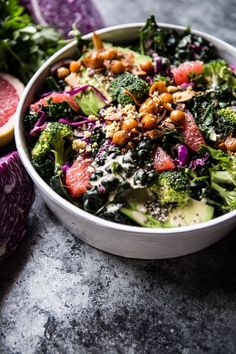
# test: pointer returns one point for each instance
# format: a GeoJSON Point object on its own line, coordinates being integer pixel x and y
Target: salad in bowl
{"type": "Point", "coordinates": [143, 135]}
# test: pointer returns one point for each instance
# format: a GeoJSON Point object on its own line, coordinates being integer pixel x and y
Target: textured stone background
{"type": "Point", "coordinates": [58, 295]}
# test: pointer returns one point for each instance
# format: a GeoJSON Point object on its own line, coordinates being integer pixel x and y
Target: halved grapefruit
{"type": "Point", "coordinates": [10, 92]}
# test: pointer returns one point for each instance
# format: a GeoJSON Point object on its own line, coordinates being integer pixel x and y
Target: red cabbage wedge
{"type": "Point", "coordinates": [16, 198]}
{"type": "Point", "coordinates": [62, 14]}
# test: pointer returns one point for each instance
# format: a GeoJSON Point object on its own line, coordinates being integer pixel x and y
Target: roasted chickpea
{"type": "Point", "coordinates": [177, 116]}
{"type": "Point", "coordinates": [147, 66]}
{"type": "Point", "coordinates": [129, 124]}
{"type": "Point", "coordinates": [62, 72]}
{"type": "Point", "coordinates": [230, 144]}
{"type": "Point", "coordinates": [120, 138]}
{"type": "Point", "coordinates": [166, 97]}
{"type": "Point", "coordinates": [117, 67]}
{"type": "Point", "coordinates": [75, 66]}
{"type": "Point", "coordinates": [159, 86]}
{"type": "Point", "coordinates": [149, 121]}
{"type": "Point", "coordinates": [148, 106]}
{"type": "Point", "coordinates": [109, 54]}
{"type": "Point", "coordinates": [93, 60]}
{"type": "Point", "coordinates": [153, 134]}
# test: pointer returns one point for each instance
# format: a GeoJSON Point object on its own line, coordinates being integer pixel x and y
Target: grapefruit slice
{"type": "Point", "coordinates": [10, 92]}
{"type": "Point", "coordinates": [56, 98]}
{"type": "Point", "coordinates": [78, 177]}
{"type": "Point", "coordinates": [162, 161]}
{"type": "Point", "coordinates": [181, 73]}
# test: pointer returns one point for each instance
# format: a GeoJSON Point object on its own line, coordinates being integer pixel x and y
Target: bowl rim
{"type": "Point", "coordinates": [60, 201]}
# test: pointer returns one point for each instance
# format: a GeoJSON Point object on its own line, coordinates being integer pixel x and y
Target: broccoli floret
{"type": "Point", "coordinates": [225, 122]}
{"type": "Point", "coordinates": [172, 187]}
{"type": "Point", "coordinates": [138, 88]}
{"type": "Point", "coordinates": [52, 139]}
{"type": "Point", "coordinates": [229, 197]}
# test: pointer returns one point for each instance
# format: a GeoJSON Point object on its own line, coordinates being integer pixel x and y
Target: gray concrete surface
{"type": "Point", "coordinates": [58, 295]}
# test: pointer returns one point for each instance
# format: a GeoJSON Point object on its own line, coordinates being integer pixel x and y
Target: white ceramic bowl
{"type": "Point", "coordinates": [123, 240]}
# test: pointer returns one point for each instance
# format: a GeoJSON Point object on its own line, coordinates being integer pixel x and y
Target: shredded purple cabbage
{"type": "Point", "coordinates": [183, 155]}
{"type": "Point", "coordinates": [200, 162]}
{"type": "Point", "coordinates": [149, 80]}
{"type": "Point", "coordinates": [46, 94]}
{"type": "Point", "coordinates": [185, 85]}
{"type": "Point", "coordinates": [40, 125]}
{"type": "Point", "coordinates": [65, 168]}
{"type": "Point", "coordinates": [84, 88]}
{"type": "Point", "coordinates": [233, 68]}
{"type": "Point", "coordinates": [73, 124]}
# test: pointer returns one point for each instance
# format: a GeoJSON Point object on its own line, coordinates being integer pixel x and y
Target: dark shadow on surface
{"type": "Point", "coordinates": [12, 266]}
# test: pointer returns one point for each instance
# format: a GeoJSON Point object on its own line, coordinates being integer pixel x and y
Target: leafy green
{"type": "Point", "coordinates": [24, 45]}
{"type": "Point", "coordinates": [58, 110]}
{"type": "Point", "coordinates": [211, 113]}
{"type": "Point", "coordinates": [223, 178]}
{"type": "Point", "coordinates": [217, 74]}
{"type": "Point", "coordinates": [176, 46]}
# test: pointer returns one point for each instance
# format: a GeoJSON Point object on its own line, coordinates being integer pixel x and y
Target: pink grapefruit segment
{"type": "Point", "coordinates": [10, 92]}
{"type": "Point", "coordinates": [56, 98]}
{"type": "Point", "coordinates": [78, 177]}
{"type": "Point", "coordinates": [181, 73]}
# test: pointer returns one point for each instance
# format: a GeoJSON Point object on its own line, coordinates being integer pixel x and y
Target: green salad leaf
{"type": "Point", "coordinates": [24, 45]}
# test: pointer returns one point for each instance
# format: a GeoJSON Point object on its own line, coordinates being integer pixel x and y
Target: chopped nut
{"type": "Point", "coordinates": [62, 72]}
{"type": "Point", "coordinates": [230, 144]}
{"type": "Point", "coordinates": [78, 145]}
{"type": "Point", "coordinates": [111, 129]}
{"type": "Point", "coordinates": [72, 80]}
{"type": "Point", "coordinates": [87, 134]}
{"type": "Point", "coordinates": [182, 96]}
{"type": "Point", "coordinates": [172, 89]}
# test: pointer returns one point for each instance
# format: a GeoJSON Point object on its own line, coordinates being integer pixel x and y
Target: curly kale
{"type": "Point", "coordinates": [125, 86]}
{"type": "Point", "coordinates": [176, 46]}
{"type": "Point", "coordinates": [30, 120]}
{"type": "Point", "coordinates": [55, 111]}
{"type": "Point", "coordinates": [211, 113]}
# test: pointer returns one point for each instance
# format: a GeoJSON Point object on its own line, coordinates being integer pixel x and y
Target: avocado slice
{"type": "Point", "coordinates": [89, 102]}
{"type": "Point", "coordinates": [193, 213]}
{"type": "Point", "coordinates": [138, 58]}
{"type": "Point", "coordinates": [140, 218]}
